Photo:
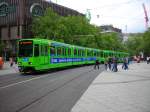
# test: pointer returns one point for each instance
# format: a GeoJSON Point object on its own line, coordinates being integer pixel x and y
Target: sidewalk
{"type": "Point", "coordinates": [8, 70]}
{"type": "Point", "coordinates": [122, 91]}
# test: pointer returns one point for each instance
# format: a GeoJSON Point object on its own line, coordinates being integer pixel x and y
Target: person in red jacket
{"type": "Point", "coordinates": [1, 62]}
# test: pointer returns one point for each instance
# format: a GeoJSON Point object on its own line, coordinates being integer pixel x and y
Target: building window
{"type": "Point", "coordinates": [36, 10]}
{"type": "Point", "coordinates": [3, 9]}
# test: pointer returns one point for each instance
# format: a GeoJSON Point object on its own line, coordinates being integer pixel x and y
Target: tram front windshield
{"type": "Point", "coordinates": [25, 49]}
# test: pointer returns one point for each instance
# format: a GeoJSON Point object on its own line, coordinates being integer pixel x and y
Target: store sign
{"type": "Point", "coordinates": [5, 9]}
{"type": "Point", "coordinates": [36, 10]}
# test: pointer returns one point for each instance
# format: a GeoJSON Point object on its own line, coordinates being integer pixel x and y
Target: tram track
{"type": "Point", "coordinates": [51, 91]}
{"type": "Point", "coordinates": [47, 84]}
{"type": "Point", "coordinates": [11, 79]}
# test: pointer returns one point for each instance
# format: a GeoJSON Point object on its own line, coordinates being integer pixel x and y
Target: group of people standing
{"type": "Point", "coordinates": [112, 63]}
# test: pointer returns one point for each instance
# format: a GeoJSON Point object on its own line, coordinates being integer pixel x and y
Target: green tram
{"type": "Point", "coordinates": [43, 54]}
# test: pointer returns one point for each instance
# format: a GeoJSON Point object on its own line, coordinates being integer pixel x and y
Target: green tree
{"type": "Point", "coordinates": [68, 29]}
{"type": "Point", "coordinates": [139, 42]}
{"type": "Point", "coordinates": [46, 26]}
{"type": "Point", "coordinates": [74, 30]}
{"type": "Point", "coordinates": [146, 42]}
{"type": "Point", "coordinates": [110, 41]}
{"type": "Point", "coordinates": [77, 28]}
{"type": "Point", "coordinates": [134, 44]}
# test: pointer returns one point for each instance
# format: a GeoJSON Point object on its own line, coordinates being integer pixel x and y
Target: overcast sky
{"type": "Point", "coordinates": [127, 15]}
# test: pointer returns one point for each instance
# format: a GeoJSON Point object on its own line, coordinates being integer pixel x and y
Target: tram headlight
{"type": "Point", "coordinates": [19, 63]}
{"type": "Point", "coordinates": [30, 63]}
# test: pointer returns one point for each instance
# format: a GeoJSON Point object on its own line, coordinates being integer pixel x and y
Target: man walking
{"type": "Point", "coordinates": [96, 64]}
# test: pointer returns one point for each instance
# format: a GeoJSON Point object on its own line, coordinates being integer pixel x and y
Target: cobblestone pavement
{"type": "Point", "coordinates": [122, 91]}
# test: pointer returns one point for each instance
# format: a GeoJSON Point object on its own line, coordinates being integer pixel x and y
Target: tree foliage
{"type": "Point", "coordinates": [74, 30]}
{"type": "Point", "coordinates": [146, 42]}
{"type": "Point", "coordinates": [134, 44]}
{"type": "Point", "coordinates": [46, 26]}
{"type": "Point", "coordinates": [139, 42]}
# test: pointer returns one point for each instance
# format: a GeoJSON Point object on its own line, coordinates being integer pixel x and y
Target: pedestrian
{"type": "Point", "coordinates": [96, 64]}
{"type": "Point", "coordinates": [125, 64]}
{"type": "Point", "coordinates": [147, 59]}
{"type": "Point", "coordinates": [11, 61]}
{"type": "Point", "coordinates": [109, 63]}
{"type": "Point", "coordinates": [106, 64]}
{"type": "Point", "coordinates": [138, 59]}
{"type": "Point", "coordinates": [114, 67]}
{"type": "Point", "coordinates": [1, 62]}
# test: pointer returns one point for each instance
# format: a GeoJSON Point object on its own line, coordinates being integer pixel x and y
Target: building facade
{"type": "Point", "coordinates": [16, 18]}
{"type": "Point", "coordinates": [110, 28]}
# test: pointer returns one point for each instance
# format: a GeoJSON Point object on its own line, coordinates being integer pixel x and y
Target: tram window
{"type": "Point", "coordinates": [83, 53]}
{"type": "Point", "coordinates": [25, 50]}
{"type": "Point", "coordinates": [64, 51]}
{"type": "Point", "coordinates": [75, 52]}
{"type": "Point", "coordinates": [95, 53]}
{"type": "Point", "coordinates": [104, 55]}
{"type": "Point", "coordinates": [91, 53]}
{"type": "Point", "coordinates": [69, 52]}
{"type": "Point", "coordinates": [45, 50]}
{"type": "Point", "coordinates": [42, 50]}
{"type": "Point", "coordinates": [101, 54]}
{"type": "Point", "coordinates": [88, 53]}
{"type": "Point", "coordinates": [79, 52]}
{"type": "Point", "coordinates": [107, 55]}
{"type": "Point", "coordinates": [52, 51]}
{"type": "Point", "coordinates": [36, 50]}
{"type": "Point", "coordinates": [58, 51]}
{"type": "Point", "coordinates": [98, 54]}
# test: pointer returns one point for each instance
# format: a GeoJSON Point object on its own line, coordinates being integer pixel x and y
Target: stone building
{"type": "Point", "coordinates": [16, 18]}
{"type": "Point", "coordinates": [110, 29]}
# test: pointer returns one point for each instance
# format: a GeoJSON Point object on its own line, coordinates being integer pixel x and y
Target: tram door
{"type": "Point", "coordinates": [46, 58]}
{"type": "Point", "coordinates": [44, 55]}
{"type": "Point", "coordinates": [36, 53]}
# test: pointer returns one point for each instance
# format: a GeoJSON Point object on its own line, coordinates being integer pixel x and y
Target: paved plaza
{"type": "Point", "coordinates": [8, 70]}
{"type": "Point", "coordinates": [122, 91]}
